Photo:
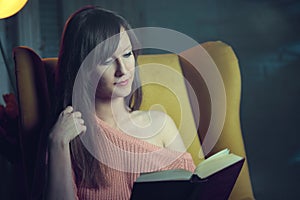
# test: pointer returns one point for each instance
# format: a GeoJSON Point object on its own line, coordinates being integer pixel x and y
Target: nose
{"type": "Point", "coordinates": [121, 68]}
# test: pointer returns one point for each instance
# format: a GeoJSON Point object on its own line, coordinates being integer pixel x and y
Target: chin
{"type": "Point", "coordinates": [122, 92]}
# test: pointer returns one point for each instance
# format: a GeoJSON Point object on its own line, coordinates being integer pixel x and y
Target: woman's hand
{"type": "Point", "coordinates": [60, 182]}
{"type": "Point", "coordinates": [68, 126]}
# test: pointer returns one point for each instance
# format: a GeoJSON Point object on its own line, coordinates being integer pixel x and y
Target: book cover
{"type": "Point", "coordinates": [212, 180]}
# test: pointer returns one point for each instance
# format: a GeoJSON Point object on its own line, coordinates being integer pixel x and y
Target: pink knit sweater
{"type": "Point", "coordinates": [121, 178]}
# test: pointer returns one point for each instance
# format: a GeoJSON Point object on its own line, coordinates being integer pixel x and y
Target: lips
{"type": "Point", "coordinates": [122, 83]}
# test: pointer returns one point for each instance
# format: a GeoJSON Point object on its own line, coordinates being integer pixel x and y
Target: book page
{"type": "Point", "coordinates": [216, 163]}
{"type": "Point", "coordinates": [214, 156]}
{"type": "Point", "coordinates": [218, 154]}
{"type": "Point", "coordinates": [176, 174]}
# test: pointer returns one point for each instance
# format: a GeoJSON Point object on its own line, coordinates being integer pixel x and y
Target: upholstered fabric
{"type": "Point", "coordinates": [32, 88]}
{"type": "Point", "coordinates": [231, 136]}
{"type": "Point", "coordinates": [33, 101]}
{"type": "Point", "coordinates": [35, 88]}
{"type": "Point", "coordinates": [164, 89]}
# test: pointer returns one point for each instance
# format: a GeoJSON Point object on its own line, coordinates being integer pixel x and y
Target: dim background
{"type": "Point", "coordinates": [265, 36]}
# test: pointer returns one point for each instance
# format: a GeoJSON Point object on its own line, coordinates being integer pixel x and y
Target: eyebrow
{"type": "Point", "coordinates": [128, 47]}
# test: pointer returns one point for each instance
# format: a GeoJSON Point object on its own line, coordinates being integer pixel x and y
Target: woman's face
{"type": "Point", "coordinates": [117, 72]}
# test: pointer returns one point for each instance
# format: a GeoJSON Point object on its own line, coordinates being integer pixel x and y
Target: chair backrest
{"type": "Point", "coordinates": [164, 89]}
{"type": "Point", "coordinates": [35, 78]}
{"type": "Point", "coordinates": [231, 135]}
{"type": "Point", "coordinates": [34, 105]}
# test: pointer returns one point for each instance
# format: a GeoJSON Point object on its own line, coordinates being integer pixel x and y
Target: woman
{"type": "Point", "coordinates": [117, 141]}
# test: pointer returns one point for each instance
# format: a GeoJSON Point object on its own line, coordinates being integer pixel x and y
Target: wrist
{"type": "Point", "coordinates": [54, 142]}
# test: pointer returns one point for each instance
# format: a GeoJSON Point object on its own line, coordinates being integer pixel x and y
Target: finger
{"type": "Point", "coordinates": [82, 129]}
{"type": "Point", "coordinates": [79, 130]}
{"type": "Point", "coordinates": [67, 110]}
{"type": "Point", "coordinates": [78, 124]}
{"type": "Point", "coordinates": [80, 121]}
{"type": "Point", "coordinates": [77, 114]}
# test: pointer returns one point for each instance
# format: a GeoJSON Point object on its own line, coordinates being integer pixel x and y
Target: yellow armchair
{"type": "Point", "coordinates": [173, 101]}
{"type": "Point", "coordinates": [35, 77]}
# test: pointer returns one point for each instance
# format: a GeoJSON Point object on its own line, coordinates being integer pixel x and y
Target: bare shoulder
{"type": "Point", "coordinates": [152, 116]}
{"type": "Point", "coordinates": [164, 130]}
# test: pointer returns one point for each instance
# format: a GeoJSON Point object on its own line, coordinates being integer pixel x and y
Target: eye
{"type": "Point", "coordinates": [126, 55]}
{"type": "Point", "coordinates": [108, 61]}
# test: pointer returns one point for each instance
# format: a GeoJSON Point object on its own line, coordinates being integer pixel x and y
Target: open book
{"type": "Point", "coordinates": [213, 179]}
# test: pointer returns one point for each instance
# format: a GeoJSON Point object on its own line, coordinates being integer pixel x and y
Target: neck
{"type": "Point", "coordinates": [112, 111]}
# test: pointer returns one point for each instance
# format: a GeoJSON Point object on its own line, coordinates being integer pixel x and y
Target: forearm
{"type": "Point", "coordinates": [60, 182]}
